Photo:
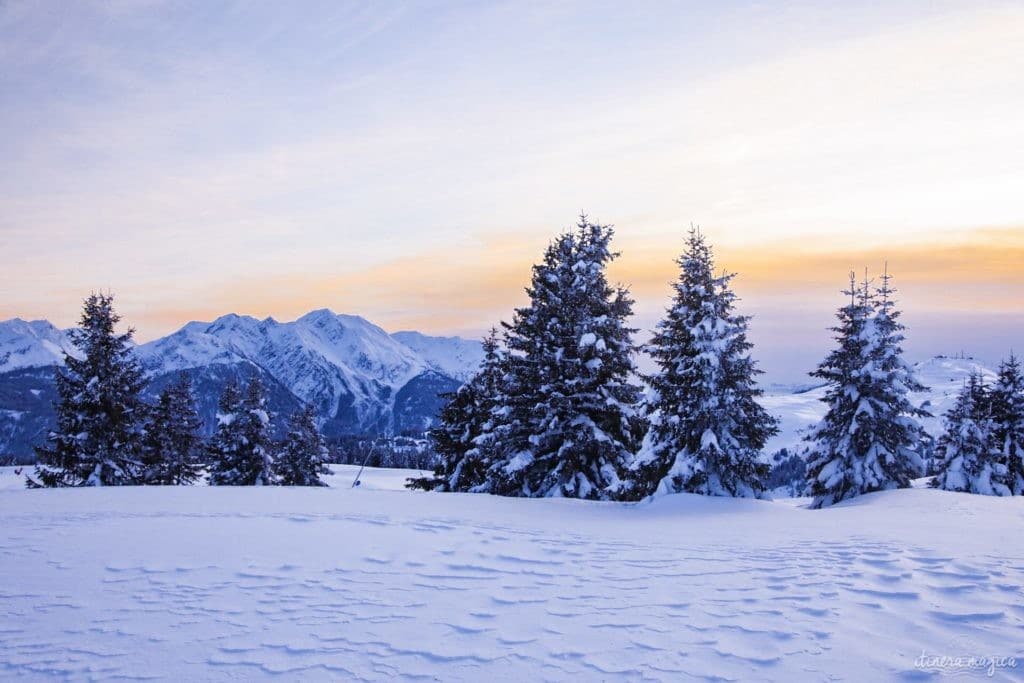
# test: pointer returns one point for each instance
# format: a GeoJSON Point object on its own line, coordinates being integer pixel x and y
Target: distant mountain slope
{"type": "Point", "coordinates": [31, 344]}
{"type": "Point", "coordinates": [450, 356]}
{"type": "Point", "coordinates": [359, 378]}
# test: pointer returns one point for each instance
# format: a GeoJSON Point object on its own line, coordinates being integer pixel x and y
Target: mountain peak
{"type": "Point", "coordinates": [318, 314]}
{"type": "Point", "coordinates": [452, 356]}
{"type": "Point", "coordinates": [32, 343]}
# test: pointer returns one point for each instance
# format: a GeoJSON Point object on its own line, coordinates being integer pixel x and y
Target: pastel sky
{"type": "Point", "coordinates": [409, 161]}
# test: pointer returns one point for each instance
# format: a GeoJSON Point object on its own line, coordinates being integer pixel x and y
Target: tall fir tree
{"type": "Point", "coordinates": [303, 455]}
{"type": "Point", "coordinates": [240, 450]}
{"type": "Point", "coordinates": [707, 430]}
{"type": "Point", "coordinates": [571, 423]}
{"type": "Point", "coordinates": [870, 439]}
{"type": "Point", "coordinates": [460, 438]}
{"type": "Point", "coordinates": [1007, 403]}
{"type": "Point", "coordinates": [968, 460]}
{"type": "Point", "coordinates": [100, 413]}
{"type": "Point", "coordinates": [171, 446]}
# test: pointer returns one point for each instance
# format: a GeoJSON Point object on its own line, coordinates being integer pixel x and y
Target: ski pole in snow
{"type": "Point", "coordinates": [361, 467]}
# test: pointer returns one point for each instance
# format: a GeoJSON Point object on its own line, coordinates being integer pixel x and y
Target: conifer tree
{"type": "Point", "coordinates": [460, 437]}
{"type": "Point", "coordinates": [968, 460]}
{"type": "Point", "coordinates": [1007, 402]}
{"type": "Point", "coordinates": [303, 455]}
{"type": "Point", "coordinates": [99, 414]}
{"type": "Point", "coordinates": [170, 448]}
{"type": "Point", "coordinates": [869, 440]}
{"type": "Point", "coordinates": [570, 424]}
{"type": "Point", "coordinates": [226, 442]}
{"type": "Point", "coordinates": [706, 428]}
{"type": "Point", "coordinates": [240, 451]}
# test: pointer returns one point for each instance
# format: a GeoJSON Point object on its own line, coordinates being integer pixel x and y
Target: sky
{"type": "Point", "coordinates": [408, 162]}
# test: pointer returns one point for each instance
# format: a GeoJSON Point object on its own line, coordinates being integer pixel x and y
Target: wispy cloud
{"type": "Point", "coordinates": [199, 158]}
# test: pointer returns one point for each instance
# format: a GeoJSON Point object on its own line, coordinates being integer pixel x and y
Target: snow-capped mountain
{"type": "Point", "coordinates": [943, 376]}
{"type": "Point", "coordinates": [452, 356]}
{"type": "Point", "coordinates": [360, 378]}
{"type": "Point", "coordinates": [31, 344]}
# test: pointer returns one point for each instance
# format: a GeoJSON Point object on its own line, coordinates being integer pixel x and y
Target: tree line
{"type": "Point", "coordinates": [554, 410]}
{"type": "Point", "coordinates": [107, 435]}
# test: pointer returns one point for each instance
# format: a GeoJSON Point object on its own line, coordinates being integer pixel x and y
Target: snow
{"type": "Point", "coordinates": [199, 583]}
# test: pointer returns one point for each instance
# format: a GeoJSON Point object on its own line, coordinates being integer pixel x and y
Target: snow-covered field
{"type": "Point", "coordinates": [198, 583]}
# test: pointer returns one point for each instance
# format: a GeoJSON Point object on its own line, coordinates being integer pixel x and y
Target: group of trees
{"type": "Point", "coordinates": [241, 452]}
{"type": "Point", "coordinates": [982, 449]}
{"type": "Point", "coordinates": [107, 435]}
{"type": "Point", "coordinates": [555, 409]}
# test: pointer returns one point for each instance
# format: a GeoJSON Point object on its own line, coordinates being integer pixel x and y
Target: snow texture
{"type": "Point", "coordinates": [322, 584]}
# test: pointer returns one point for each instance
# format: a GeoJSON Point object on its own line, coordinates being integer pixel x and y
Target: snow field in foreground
{"type": "Point", "coordinates": [198, 583]}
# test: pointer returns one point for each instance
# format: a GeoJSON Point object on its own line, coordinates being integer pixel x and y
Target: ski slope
{"type": "Point", "coordinates": [197, 583]}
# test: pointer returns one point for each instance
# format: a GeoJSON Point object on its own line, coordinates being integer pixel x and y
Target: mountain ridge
{"type": "Point", "coordinates": [360, 378]}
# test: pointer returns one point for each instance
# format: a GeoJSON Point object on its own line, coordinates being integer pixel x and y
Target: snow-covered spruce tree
{"type": "Point", "coordinates": [1007, 405]}
{"type": "Point", "coordinates": [869, 440]}
{"type": "Point", "coordinates": [223, 448]}
{"type": "Point", "coordinates": [100, 412]}
{"type": "Point", "coordinates": [706, 428]}
{"type": "Point", "coordinates": [968, 460]}
{"type": "Point", "coordinates": [240, 449]}
{"type": "Point", "coordinates": [170, 448]}
{"type": "Point", "coordinates": [301, 458]}
{"type": "Point", "coordinates": [463, 455]}
{"type": "Point", "coordinates": [569, 424]}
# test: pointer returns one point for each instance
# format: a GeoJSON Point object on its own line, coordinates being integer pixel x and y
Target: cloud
{"type": "Point", "coordinates": [411, 165]}
{"type": "Point", "coordinates": [467, 289]}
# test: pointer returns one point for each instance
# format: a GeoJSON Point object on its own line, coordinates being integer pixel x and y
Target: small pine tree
{"type": "Point", "coordinates": [99, 415]}
{"type": "Point", "coordinates": [570, 423]}
{"type": "Point", "coordinates": [1007, 403]}
{"type": "Point", "coordinates": [968, 460]}
{"type": "Point", "coordinates": [869, 440]}
{"type": "Point", "coordinates": [240, 449]}
{"type": "Point", "coordinates": [706, 428]}
{"type": "Point", "coordinates": [171, 445]}
{"type": "Point", "coordinates": [226, 442]}
{"type": "Point", "coordinates": [459, 439]}
{"type": "Point", "coordinates": [303, 455]}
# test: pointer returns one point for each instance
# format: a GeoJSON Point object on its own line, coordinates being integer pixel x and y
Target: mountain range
{"type": "Point", "coordinates": [360, 379]}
